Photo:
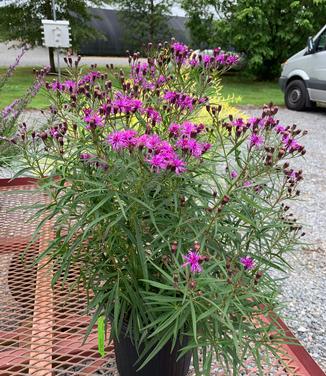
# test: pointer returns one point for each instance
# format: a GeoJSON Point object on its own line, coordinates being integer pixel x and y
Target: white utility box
{"type": "Point", "coordinates": [56, 34]}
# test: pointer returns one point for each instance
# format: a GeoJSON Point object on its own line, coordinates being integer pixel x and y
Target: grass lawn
{"type": "Point", "coordinates": [244, 90]}
{"type": "Point", "coordinates": [249, 92]}
{"type": "Point", "coordinates": [17, 86]}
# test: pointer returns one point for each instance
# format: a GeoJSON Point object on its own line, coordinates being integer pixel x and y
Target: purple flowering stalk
{"type": "Point", "coordinates": [12, 67]}
{"type": "Point", "coordinates": [10, 114]}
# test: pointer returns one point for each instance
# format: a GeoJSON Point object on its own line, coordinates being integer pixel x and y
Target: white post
{"type": "Point", "coordinates": [57, 50]}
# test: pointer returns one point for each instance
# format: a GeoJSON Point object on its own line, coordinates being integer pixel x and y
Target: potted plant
{"type": "Point", "coordinates": [175, 212]}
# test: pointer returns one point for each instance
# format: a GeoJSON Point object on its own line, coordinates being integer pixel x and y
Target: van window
{"type": "Point", "coordinates": [321, 43]}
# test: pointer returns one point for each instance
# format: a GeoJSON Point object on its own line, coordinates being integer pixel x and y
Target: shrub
{"type": "Point", "coordinates": [175, 224]}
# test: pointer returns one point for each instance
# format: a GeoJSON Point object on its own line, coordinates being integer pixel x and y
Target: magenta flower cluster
{"type": "Point", "coordinates": [73, 86]}
{"type": "Point", "coordinates": [161, 154]}
{"type": "Point", "coordinates": [182, 101]}
{"type": "Point", "coordinates": [147, 76]}
{"type": "Point", "coordinates": [184, 56]}
{"type": "Point", "coordinates": [259, 124]}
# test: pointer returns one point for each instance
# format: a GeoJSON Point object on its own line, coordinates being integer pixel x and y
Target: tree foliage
{"type": "Point", "coordinates": [21, 20]}
{"type": "Point", "coordinates": [268, 32]}
{"type": "Point", "coordinates": [144, 20]}
{"type": "Point", "coordinates": [201, 21]}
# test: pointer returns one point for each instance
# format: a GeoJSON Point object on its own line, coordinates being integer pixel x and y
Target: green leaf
{"type": "Point", "coordinates": [158, 285]}
{"type": "Point", "coordinates": [101, 335]}
{"type": "Point", "coordinates": [193, 320]}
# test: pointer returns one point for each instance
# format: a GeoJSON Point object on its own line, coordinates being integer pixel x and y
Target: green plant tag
{"type": "Point", "coordinates": [101, 335]}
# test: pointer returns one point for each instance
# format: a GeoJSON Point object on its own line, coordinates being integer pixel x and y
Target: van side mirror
{"type": "Point", "coordinates": [310, 45]}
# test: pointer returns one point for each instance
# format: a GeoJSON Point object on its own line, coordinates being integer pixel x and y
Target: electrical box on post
{"type": "Point", "coordinates": [56, 34]}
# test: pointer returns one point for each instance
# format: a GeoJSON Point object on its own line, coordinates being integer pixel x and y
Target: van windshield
{"type": "Point", "coordinates": [321, 42]}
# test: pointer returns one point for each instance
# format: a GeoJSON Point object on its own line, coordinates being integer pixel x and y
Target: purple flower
{"type": "Point", "coordinates": [105, 108]}
{"type": "Point", "coordinates": [193, 260]}
{"type": "Point", "coordinates": [93, 120]}
{"type": "Point", "coordinates": [191, 145]}
{"type": "Point", "coordinates": [69, 85]}
{"type": "Point", "coordinates": [247, 262]}
{"type": "Point", "coordinates": [152, 114]}
{"type": "Point", "coordinates": [256, 140]}
{"type": "Point", "coordinates": [279, 128]}
{"type": "Point", "coordinates": [194, 62]}
{"type": "Point", "coordinates": [247, 184]}
{"type": "Point", "coordinates": [174, 130]}
{"type": "Point", "coordinates": [206, 146]}
{"type": "Point", "coordinates": [207, 59]}
{"type": "Point", "coordinates": [188, 129]}
{"type": "Point", "coordinates": [54, 132]}
{"type": "Point", "coordinates": [56, 86]}
{"type": "Point", "coordinates": [291, 144]}
{"type": "Point", "coordinates": [158, 161]}
{"type": "Point", "coordinates": [153, 142]}
{"type": "Point", "coordinates": [180, 51]}
{"type": "Point", "coordinates": [233, 174]}
{"type": "Point", "coordinates": [238, 123]}
{"type": "Point", "coordinates": [13, 66]}
{"type": "Point", "coordinates": [164, 147]}
{"type": "Point", "coordinates": [170, 96]}
{"type": "Point", "coordinates": [90, 77]}
{"type": "Point", "coordinates": [177, 165]}
{"type": "Point", "coordinates": [232, 59]}
{"type": "Point", "coordinates": [161, 80]}
{"type": "Point", "coordinates": [9, 109]}
{"type": "Point", "coordinates": [142, 140]}
{"type": "Point", "coordinates": [85, 156]}
{"type": "Point", "coordinates": [220, 59]}
{"type": "Point", "coordinates": [122, 139]}
{"type": "Point", "coordinates": [253, 120]}
{"type": "Point", "coordinates": [126, 104]}
{"type": "Point", "coordinates": [195, 148]}
{"type": "Point", "coordinates": [179, 48]}
{"type": "Point", "coordinates": [183, 101]}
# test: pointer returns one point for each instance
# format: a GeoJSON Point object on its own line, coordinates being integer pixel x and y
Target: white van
{"type": "Point", "coordinates": [303, 78]}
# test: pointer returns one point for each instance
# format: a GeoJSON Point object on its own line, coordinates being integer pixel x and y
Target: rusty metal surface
{"type": "Point", "coordinates": [42, 329]}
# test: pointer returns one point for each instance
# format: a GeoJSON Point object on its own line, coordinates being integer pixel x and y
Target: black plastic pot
{"type": "Point", "coordinates": [163, 364]}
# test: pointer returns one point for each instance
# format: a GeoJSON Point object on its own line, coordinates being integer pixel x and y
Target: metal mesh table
{"type": "Point", "coordinates": [42, 329]}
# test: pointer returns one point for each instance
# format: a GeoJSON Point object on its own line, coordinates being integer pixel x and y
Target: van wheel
{"type": "Point", "coordinates": [296, 95]}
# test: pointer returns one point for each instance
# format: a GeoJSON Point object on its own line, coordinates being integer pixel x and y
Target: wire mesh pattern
{"type": "Point", "coordinates": [42, 329]}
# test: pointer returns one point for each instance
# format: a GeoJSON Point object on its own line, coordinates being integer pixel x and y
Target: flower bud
{"type": "Point", "coordinates": [174, 246]}
{"type": "Point", "coordinates": [192, 284]}
{"type": "Point", "coordinates": [225, 199]}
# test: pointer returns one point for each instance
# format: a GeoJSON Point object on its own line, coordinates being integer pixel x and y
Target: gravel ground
{"type": "Point", "coordinates": [304, 289]}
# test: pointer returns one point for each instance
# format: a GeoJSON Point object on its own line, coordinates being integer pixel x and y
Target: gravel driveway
{"type": "Point", "coordinates": [305, 289]}
{"type": "Point", "coordinates": [39, 56]}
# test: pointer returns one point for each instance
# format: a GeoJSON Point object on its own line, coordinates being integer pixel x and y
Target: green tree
{"type": "Point", "coordinates": [22, 21]}
{"type": "Point", "coordinates": [201, 17]}
{"type": "Point", "coordinates": [267, 31]}
{"type": "Point", "coordinates": [144, 20]}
